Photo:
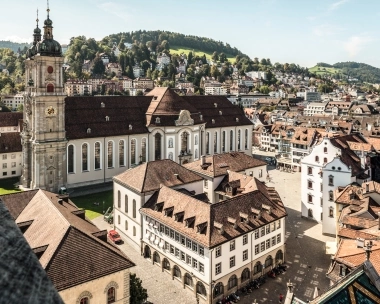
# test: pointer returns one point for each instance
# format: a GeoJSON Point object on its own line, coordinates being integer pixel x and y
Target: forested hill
{"type": "Point", "coordinates": [361, 71]}
{"type": "Point", "coordinates": [154, 38]}
{"type": "Point", "coordinates": [14, 46]}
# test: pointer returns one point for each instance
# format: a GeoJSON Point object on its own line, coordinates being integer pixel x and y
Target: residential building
{"type": "Point", "coordinates": [312, 96]}
{"type": "Point", "coordinates": [257, 74]}
{"type": "Point", "coordinates": [315, 108]}
{"type": "Point", "coordinates": [13, 101]}
{"type": "Point", "coordinates": [127, 83]}
{"type": "Point", "coordinates": [70, 248]}
{"type": "Point", "coordinates": [114, 68]}
{"type": "Point", "coordinates": [138, 71]}
{"type": "Point", "coordinates": [143, 83]}
{"type": "Point", "coordinates": [334, 162]}
{"type": "Point", "coordinates": [78, 88]}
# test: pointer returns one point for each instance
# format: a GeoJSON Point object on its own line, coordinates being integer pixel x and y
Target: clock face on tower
{"type": "Point", "coordinates": [50, 111]}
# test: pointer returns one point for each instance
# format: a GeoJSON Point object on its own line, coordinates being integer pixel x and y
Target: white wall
{"type": "Point", "coordinates": [10, 164]}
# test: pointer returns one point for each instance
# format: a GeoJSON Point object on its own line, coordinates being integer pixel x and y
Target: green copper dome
{"type": "Point", "coordinates": [49, 47]}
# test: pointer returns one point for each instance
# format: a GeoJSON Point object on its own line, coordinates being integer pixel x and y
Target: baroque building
{"type": "Point", "coordinates": [83, 140]}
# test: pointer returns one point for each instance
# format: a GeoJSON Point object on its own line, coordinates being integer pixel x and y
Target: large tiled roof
{"type": "Point", "coordinates": [213, 224]}
{"type": "Point", "coordinates": [10, 119]}
{"type": "Point", "coordinates": [10, 142]}
{"type": "Point", "coordinates": [218, 164]}
{"type": "Point", "coordinates": [68, 240]}
{"type": "Point", "coordinates": [149, 176]}
{"type": "Point", "coordinates": [83, 113]}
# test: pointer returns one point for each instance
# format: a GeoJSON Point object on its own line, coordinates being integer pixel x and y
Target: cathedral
{"type": "Point", "coordinates": [78, 141]}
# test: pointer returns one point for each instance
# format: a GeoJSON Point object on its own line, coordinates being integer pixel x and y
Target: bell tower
{"type": "Point", "coordinates": [43, 136]}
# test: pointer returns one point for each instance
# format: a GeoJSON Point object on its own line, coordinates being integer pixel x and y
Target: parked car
{"type": "Point", "coordinates": [114, 236]}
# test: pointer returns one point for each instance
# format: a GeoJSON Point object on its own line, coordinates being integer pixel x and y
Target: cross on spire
{"type": "Point", "coordinates": [48, 9]}
{"type": "Point", "coordinates": [37, 17]}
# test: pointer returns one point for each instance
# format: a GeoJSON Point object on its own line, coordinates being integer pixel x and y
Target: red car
{"type": "Point", "coordinates": [114, 236]}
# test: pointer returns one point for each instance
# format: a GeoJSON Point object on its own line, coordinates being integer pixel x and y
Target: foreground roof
{"type": "Point", "coordinates": [149, 176]}
{"type": "Point", "coordinates": [10, 142]}
{"type": "Point", "coordinates": [64, 239]}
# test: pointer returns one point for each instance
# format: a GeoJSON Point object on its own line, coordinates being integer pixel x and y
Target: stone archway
{"type": "Point", "coordinates": [147, 252]}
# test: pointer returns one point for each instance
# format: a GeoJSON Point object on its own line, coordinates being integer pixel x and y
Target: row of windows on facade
{"type": "Point", "coordinates": [126, 207]}
{"type": "Point", "coordinates": [6, 173]}
{"type": "Point", "coordinates": [179, 238]}
{"type": "Point", "coordinates": [188, 280]}
{"type": "Point", "coordinates": [111, 297]}
{"type": "Point", "coordinates": [310, 198]}
{"type": "Point", "coordinates": [126, 225]}
{"type": "Point", "coordinates": [233, 280]}
{"type": "Point", "coordinates": [223, 142]}
{"type": "Point", "coordinates": [5, 156]}
{"type": "Point", "coordinates": [264, 230]}
{"type": "Point", "coordinates": [258, 248]}
{"type": "Point", "coordinates": [330, 183]}
{"type": "Point", "coordinates": [310, 213]}
{"type": "Point", "coordinates": [13, 165]}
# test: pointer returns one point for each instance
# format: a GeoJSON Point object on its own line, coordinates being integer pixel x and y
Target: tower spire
{"type": "Point", "coordinates": [48, 9]}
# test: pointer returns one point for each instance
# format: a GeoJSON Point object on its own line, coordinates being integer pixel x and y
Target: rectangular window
{"type": "Point", "coordinates": [218, 268]}
{"type": "Point", "coordinates": [273, 241]}
{"type": "Point", "coordinates": [278, 238]}
{"type": "Point", "coordinates": [272, 226]}
{"type": "Point", "coordinates": [5, 173]}
{"type": "Point", "coordinates": [188, 244]}
{"type": "Point", "coordinates": [177, 237]}
{"type": "Point", "coordinates": [183, 240]}
{"type": "Point", "coordinates": [195, 247]}
{"type": "Point", "coordinates": [245, 255]}
{"type": "Point", "coordinates": [4, 156]}
{"type": "Point", "coordinates": [257, 250]}
{"type": "Point", "coordinates": [13, 156]}
{"type": "Point", "coordinates": [13, 164]}
{"type": "Point", "coordinates": [262, 231]}
{"type": "Point", "coordinates": [267, 243]}
{"type": "Point", "coordinates": [232, 261]}
{"type": "Point", "coordinates": [188, 259]}
{"type": "Point", "coordinates": [171, 249]}
{"type": "Point", "coordinates": [13, 172]}
{"type": "Point", "coordinates": [166, 245]}
{"type": "Point", "coordinates": [262, 245]}
{"type": "Point", "coordinates": [183, 256]}
{"type": "Point", "coordinates": [245, 239]}
{"type": "Point", "coordinates": [205, 182]}
{"type": "Point", "coordinates": [4, 165]}
{"type": "Point", "coordinates": [201, 251]}
{"type": "Point", "coordinates": [195, 264]}
{"type": "Point", "coordinates": [278, 224]}
{"type": "Point", "coordinates": [257, 234]}
{"type": "Point", "coordinates": [162, 227]}
{"type": "Point", "coordinates": [309, 185]}
{"type": "Point", "coordinates": [218, 251]}
{"type": "Point", "coordinates": [232, 245]}
{"type": "Point", "coordinates": [321, 187]}
{"type": "Point", "coordinates": [177, 252]}
{"type": "Point", "coordinates": [309, 170]}
{"type": "Point", "coordinates": [310, 198]}
{"type": "Point", "coordinates": [167, 230]}
{"type": "Point", "coordinates": [171, 234]}
{"type": "Point", "coordinates": [201, 268]}
{"type": "Point", "coordinates": [267, 227]}
{"type": "Point", "coordinates": [321, 202]}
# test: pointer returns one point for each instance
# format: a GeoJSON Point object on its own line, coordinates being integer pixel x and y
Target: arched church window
{"type": "Point", "coordinates": [97, 155]}
{"type": "Point", "coordinates": [70, 159]}
{"type": "Point", "coordinates": [239, 140]}
{"type": "Point", "coordinates": [170, 143]}
{"type": "Point", "coordinates": [246, 139]}
{"type": "Point", "coordinates": [215, 142]}
{"type": "Point", "coordinates": [207, 142]}
{"type": "Point", "coordinates": [224, 141]}
{"type": "Point", "coordinates": [231, 140]}
{"type": "Point", "coordinates": [196, 140]}
{"type": "Point", "coordinates": [84, 157]}
{"type": "Point", "coordinates": [133, 151]}
{"type": "Point", "coordinates": [50, 88]}
{"type": "Point", "coordinates": [157, 146]}
{"type": "Point", "coordinates": [171, 155]}
{"type": "Point", "coordinates": [121, 153]}
{"type": "Point", "coordinates": [110, 154]}
{"type": "Point", "coordinates": [143, 150]}
{"type": "Point", "coordinates": [184, 142]}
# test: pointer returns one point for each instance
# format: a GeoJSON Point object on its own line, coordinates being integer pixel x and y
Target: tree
{"type": "Point", "coordinates": [20, 108]}
{"type": "Point", "coordinates": [98, 67]}
{"type": "Point", "coordinates": [138, 294]}
{"type": "Point", "coordinates": [139, 93]}
{"type": "Point", "coordinates": [215, 56]}
{"type": "Point", "coordinates": [222, 57]}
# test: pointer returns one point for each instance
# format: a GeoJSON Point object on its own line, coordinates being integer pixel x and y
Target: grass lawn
{"type": "Point", "coordinates": [7, 185]}
{"type": "Point", "coordinates": [87, 202]}
{"type": "Point", "coordinates": [180, 49]}
{"type": "Point", "coordinates": [324, 71]}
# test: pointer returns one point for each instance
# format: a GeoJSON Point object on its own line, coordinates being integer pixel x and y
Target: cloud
{"type": "Point", "coordinates": [336, 5]}
{"type": "Point", "coordinates": [116, 9]}
{"type": "Point", "coordinates": [356, 43]}
{"type": "Point", "coordinates": [327, 30]}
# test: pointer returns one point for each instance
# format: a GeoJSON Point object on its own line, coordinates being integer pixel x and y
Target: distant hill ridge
{"type": "Point", "coordinates": [342, 70]}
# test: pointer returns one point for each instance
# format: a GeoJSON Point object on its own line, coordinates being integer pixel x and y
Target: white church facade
{"type": "Point", "coordinates": [78, 141]}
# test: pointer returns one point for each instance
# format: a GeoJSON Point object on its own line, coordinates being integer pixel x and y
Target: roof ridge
{"type": "Point", "coordinates": [59, 212]}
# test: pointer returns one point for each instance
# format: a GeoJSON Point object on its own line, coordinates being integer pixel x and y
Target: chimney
{"type": "Point", "coordinates": [176, 175]}
{"type": "Point", "coordinates": [203, 159]}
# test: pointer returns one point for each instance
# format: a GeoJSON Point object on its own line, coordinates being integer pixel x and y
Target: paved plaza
{"type": "Point", "coordinates": [305, 255]}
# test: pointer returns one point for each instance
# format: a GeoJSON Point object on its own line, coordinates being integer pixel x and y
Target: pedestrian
{"type": "Point", "coordinates": [281, 297]}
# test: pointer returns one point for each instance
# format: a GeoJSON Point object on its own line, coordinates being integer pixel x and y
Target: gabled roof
{"type": "Point", "coordinates": [149, 176]}
{"type": "Point", "coordinates": [218, 164]}
{"type": "Point", "coordinates": [211, 223]}
{"type": "Point", "coordinates": [67, 240]}
{"type": "Point", "coordinates": [10, 142]}
{"type": "Point", "coordinates": [9, 119]}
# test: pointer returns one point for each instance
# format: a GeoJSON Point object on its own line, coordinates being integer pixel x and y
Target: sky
{"type": "Point", "coordinates": [303, 32]}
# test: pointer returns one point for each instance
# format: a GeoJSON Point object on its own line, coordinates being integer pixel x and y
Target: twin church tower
{"type": "Point", "coordinates": [43, 134]}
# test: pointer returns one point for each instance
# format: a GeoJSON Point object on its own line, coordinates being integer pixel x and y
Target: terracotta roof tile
{"type": "Point", "coordinates": [149, 176]}
{"type": "Point", "coordinates": [16, 202]}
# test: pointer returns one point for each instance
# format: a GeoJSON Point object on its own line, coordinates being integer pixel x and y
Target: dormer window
{"type": "Point", "coordinates": [220, 113]}
{"type": "Point", "coordinates": [267, 208]}
{"type": "Point", "coordinates": [219, 227]}
{"type": "Point", "coordinates": [237, 119]}
{"type": "Point", "coordinates": [107, 118]}
{"type": "Point", "coordinates": [232, 221]}
{"type": "Point", "coordinates": [130, 127]}
{"type": "Point", "coordinates": [243, 217]}
{"type": "Point", "coordinates": [102, 105]}
{"type": "Point", "coordinates": [201, 117]}
{"type": "Point", "coordinates": [158, 120]}
{"type": "Point", "coordinates": [88, 131]}
{"type": "Point", "coordinates": [215, 105]}
{"type": "Point", "coordinates": [213, 121]}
